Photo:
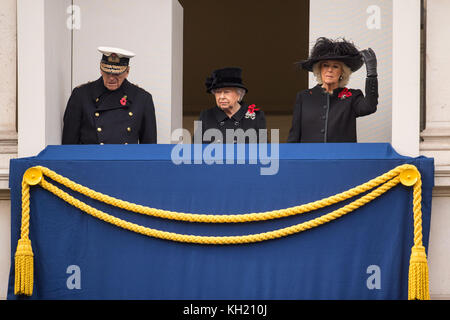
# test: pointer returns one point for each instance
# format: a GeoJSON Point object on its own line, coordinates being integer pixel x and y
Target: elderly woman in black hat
{"type": "Point", "coordinates": [230, 112]}
{"type": "Point", "coordinates": [328, 111]}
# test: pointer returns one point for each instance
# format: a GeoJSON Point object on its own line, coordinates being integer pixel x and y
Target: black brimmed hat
{"type": "Point", "coordinates": [339, 50]}
{"type": "Point", "coordinates": [224, 78]}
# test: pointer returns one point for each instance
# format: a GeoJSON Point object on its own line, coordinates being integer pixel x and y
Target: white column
{"type": "Point", "coordinates": [406, 77]}
{"type": "Point", "coordinates": [177, 69]}
{"type": "Point", "coordinates": [44, 72]}
{"type": "Point", "coordinates": [31, 76]}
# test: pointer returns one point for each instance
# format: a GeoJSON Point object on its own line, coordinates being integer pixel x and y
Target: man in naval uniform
{"type": "Point", "coordinates": [110, 110]}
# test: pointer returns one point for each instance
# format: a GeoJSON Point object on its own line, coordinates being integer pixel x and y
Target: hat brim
{"type": "Point", "coordinates": [121, 53]}
{"type": "Point", "coordinates": [227, 85]}
{"type": "Point", "coordinates": [113, 69]}
{"type": "Point", "coordinates": [353, 62]}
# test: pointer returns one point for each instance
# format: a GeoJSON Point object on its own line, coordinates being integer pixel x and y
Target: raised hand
{"type": "Point", "coordinates": [370, 60]}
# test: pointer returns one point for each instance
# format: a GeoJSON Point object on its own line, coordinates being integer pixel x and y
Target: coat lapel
{"type": "Point", "coordinates": [118, 99]}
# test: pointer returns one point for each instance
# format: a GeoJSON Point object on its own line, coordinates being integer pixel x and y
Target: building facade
{"type": "Point", "coordinates": [417, 90]}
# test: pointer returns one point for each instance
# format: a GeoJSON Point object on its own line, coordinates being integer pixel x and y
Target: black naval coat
{"type": "Point", "coordinates": [322, 117]}
{"type": "Point", "coordinates": [96, 115]}
{"type": "Point", "coordinates": [244, 119]}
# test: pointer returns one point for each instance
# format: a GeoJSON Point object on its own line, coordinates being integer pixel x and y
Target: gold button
{"type": "Point", "coordinates": [99, 129]}
{"type": "Point", "coordinates": [130, 113]}
{"type": "Point", "coordinates": [129, 129]}
{"type": "Point", "coordinates": [96, 100]}
{"type": "Point", "coordinates": [97, 114]}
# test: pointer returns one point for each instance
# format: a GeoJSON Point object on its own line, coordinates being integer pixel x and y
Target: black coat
{"type": "Point", "coordinates": [215, 118]}
{"type": "Point", "coordinates": [96, 115]}
{"type": "Point", "coordinates": [322, 117]}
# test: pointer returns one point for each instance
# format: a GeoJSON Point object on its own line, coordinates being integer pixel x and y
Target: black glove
{"type": "Point", "coordinates": [371, 62]}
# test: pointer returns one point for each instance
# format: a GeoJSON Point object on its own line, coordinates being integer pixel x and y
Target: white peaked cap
{"type": "Point", "coordinates": [121, 53]}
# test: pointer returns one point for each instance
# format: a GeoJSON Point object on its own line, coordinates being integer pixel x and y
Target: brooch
{"type": "Point", "coordinates": [250, 114]}
{"type": "Point", "coordinates": [344, 94]}
{"type": "Point", "coordinates": [123, 101]}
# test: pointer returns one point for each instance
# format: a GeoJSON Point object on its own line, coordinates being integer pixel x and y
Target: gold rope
{"type": "Point", "coordinates": [209, 218]}
{"type": "Point", "coordinates": [23, 259]}
{"type": "Point", "coordinates": [220, 239]}
{"type": "Point", "coordinates": [418, 281]}
{"type": "Point", "coordinates": [418, 278]}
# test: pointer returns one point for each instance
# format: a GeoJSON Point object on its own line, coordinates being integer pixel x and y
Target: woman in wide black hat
{"type": "Point", "coordinates": [230, 111]}
{"type": "Point", "coordinates": [328, 111]}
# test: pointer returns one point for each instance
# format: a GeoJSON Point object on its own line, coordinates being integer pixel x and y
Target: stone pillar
{"type": "Point", "coordinates": [8, 132]}
{"type": "Point", "coordinates": [436, 142]}
{"type": "Point", "coordinates": [436, 136]}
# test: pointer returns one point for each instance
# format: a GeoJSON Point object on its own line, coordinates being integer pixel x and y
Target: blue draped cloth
{"type": "Point", "coordinates": [362, 255]}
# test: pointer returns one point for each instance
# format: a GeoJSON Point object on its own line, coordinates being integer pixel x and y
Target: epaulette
{"type": "Point", "coordinates": [82, 85]}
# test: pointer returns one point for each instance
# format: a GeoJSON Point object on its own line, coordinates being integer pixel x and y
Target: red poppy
{"type": "Point", "coordinates": [123, 101]}
{"type": "Point", "coordinates": [345, 93]}
{"type": "Point", "coordinates": [252, 108]}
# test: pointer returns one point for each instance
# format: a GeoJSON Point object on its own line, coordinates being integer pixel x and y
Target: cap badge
{"type": "Point", "coordinates": [113, 58]}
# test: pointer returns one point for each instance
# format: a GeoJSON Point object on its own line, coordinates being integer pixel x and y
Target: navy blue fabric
{"type": "Point", "coordinates": [327, 262]}
{"type": "Point", "coordinates": [288, 151]}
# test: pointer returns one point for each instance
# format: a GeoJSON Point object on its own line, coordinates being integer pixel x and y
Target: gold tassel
{"type": "Point", "coordinates": [23, 260]}
{"type": "Point", "coordinates": [24, 268]}
{"type": "Point", "coordinates": [418, 287]}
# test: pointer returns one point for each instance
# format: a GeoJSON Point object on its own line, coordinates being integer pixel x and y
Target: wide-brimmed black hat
{"type": "Point", "coordinates": [340, 50]}
{"type": "Point", "coordinates": [223, 78]}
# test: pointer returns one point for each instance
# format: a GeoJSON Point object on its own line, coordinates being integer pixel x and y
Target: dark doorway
{"type": "Point", "coordinates": [263, 37]}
